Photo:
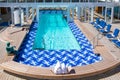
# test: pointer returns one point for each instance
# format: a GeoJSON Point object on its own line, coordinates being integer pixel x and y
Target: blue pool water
{"type": "Point", "coordinates": [53, 33]}
{"type": "Point", "coordinates": [48, 58]}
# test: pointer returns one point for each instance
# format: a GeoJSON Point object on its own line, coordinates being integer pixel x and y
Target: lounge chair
{"type": "Point", "coordinates": [114, 34]}
{"type": "Point", "coordinates": [101, 25]}
{"type": "Point", "coordinates": [116, 42]}
{"type": "Point", "coordinates": [107, 30]}
{"type": "Point", "coordinates": [96, 22]}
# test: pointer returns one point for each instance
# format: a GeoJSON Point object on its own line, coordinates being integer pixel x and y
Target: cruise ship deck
{"type": "Point", "coordinates": [82, 13]}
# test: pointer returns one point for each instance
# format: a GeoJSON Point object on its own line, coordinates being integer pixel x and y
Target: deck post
{"type": "Point", "coordinates": [32, 13]}
{"type": "Point", "coordinates": [89, 14]}
{"type": "Point", "coordinates": [78, 12]}
{"type": "Point", "coordinates": [12, 9]}
{"type": "Point", "coordinates": [81, 13]}
{"type": "Point", "coordinates": [92, 13]}
{"type": "Point", "coordinates": [112, 13]}
{"type": "Point", "coordinates": [72, 13]}
{"type": "Point", "coordinates": [68, 14]}
{"type": "Point", "coordinates": [106, 14]}
{"type": "Point", "coordinates": [85, 14]}
{"type": "Point", "coordinates": [37, 15]}
{"type": "Point", "coordinates": [20, 16]}
{"type": "Point", "coordinates": [27, 13]}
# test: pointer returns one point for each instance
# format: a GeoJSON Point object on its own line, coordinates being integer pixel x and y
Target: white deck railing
{"type": "Point", "coordinates": [57, 4]}
{"type": "Point", "coordinates": [86, 3]}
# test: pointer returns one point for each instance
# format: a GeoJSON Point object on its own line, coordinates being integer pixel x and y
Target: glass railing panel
{"type": "Point", "coordinates": [3, 1]}
{"type": "Point", "coordinates": [30, 0]}
{"type": "Point", "coordinates": [21, 1]}
{"type": "Point", "coordinates": [82, 0]}
{"type": "Point", "coordinates": [11, 1]}
{"type": "Point", "coordinates": [116, 11]}
{"type": "Point", "coordinates": [101, 1]}
{"type": "Point", "coordinates": [109, 0]}
{"type": "Point", "coordinates": [85, 0]}
{"type": "Point", "coordinates": [66, 0]}
{"type": "Point", "coordinates": [92, 0]}
{"type": "Point", "coordinates": [48, 0]}
{"type": "Point", "coordinates": [39, 0]}
{"type": "Point", "coordinates": [75, 0]}
{"type": "Point", "coordinates": [116, 1]}
{"type": "Point", "coordinates": [57, 0]}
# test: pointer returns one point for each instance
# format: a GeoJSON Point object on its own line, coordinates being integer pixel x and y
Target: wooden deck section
{"type": "Point", "coordinates": [109, 62]}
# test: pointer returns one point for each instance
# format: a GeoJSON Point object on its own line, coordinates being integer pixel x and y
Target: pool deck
{"type": "Point", "coordinates": [109, 52]}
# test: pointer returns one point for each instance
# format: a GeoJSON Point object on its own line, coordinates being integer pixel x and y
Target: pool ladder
{"type": "Point", "coordinates": [95, 40]}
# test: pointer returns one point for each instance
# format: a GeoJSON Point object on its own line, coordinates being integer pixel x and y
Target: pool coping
{"type": "Point", "coordinates": [106, 64]}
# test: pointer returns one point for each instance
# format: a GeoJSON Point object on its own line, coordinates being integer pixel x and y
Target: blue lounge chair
{"type": "Point", "coordinates": [101, 25]}
{"type": "Point", "coordinates": [114, 34]}
{"type": "Point", "coordinates": [107, 30]}
{"type": "Point", "coordinates": [96, 22]}
{"type": "Point", "coordinates": [116, 42]}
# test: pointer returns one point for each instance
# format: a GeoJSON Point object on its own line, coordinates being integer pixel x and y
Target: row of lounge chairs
{"type": "Point", "coordinates": [105, 29]}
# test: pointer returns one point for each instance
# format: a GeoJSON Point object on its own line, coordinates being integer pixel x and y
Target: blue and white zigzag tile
{"type": "Point", "coordinates": [48, 58]}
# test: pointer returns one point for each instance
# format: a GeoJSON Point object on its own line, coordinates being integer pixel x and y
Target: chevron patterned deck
{"type": "Point", "coordinates": [48, 58]}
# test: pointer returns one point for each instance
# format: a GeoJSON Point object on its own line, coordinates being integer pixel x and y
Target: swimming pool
{"type": "Point", "coordinates": [53, 33]}
{"type": "Point", "coordinates": [48, 58]}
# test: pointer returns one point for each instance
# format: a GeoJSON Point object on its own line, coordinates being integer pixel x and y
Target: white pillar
{"type": "Point", "coordinates": [106, 14]}
{"type": "Point", "coordinates": [92, 14]}
{"type": "Point", "coordinates": [20, 16]}
{"type": "Point", "coordinates": [78, 12]}
{"type": "Point", "coordinates": [37, 15]}
{"type": "Point", "coordinates": [112, 13]}
{"type": "Point", "coordinates": [12, 17]}
{"type": "Point", "coordinates": [85, 14]}
{"type": "Point", "coordinates": [68, 14]}
{"type": "Point", "coordinates": [27, 13]}
{"type": "Point", "coordinates": [82, 11]}
{"type": "Point", "coordinates": [32, 13]}
{"type": "Point", "coordinates": [72, 13]}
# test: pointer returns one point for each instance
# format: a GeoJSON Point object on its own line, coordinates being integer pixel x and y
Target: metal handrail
{"type": "Point", "coordinates": [93, 40]}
